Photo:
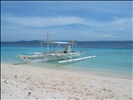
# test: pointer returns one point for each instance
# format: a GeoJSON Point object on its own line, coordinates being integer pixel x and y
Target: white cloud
{"type": "Point", "coordinates": [107, 36]}
{"type": "Point", "coordinates": [45, 21]}
{"type": "Point", "coordinates": [111, 29]}
{"type": "Point", "coordinates": [122, 23]}
{"type": "Point", "coordinates": [117, 24]}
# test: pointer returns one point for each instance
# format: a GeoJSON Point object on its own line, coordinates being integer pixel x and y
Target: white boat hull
{"type": "Point", "coordinates": [48, 57]}
{"type": "Point", "coordinates": [32, 59]}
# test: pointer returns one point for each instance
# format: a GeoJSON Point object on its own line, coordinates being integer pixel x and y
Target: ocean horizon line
{"type": "Point", "coordinates": [70, 41]}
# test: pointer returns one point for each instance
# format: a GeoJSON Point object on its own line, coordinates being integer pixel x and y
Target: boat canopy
{"type": "Point", "coordinates": [60, 42]}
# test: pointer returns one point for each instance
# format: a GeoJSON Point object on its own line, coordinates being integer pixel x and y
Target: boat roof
{"type": "Point", "coordinates": [60, 42]}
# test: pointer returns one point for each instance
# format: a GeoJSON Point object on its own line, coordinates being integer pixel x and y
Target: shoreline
{"type": "Point", "coordinates": [93, 73]}
{"type": "Point", "coordinates": [42, 83]}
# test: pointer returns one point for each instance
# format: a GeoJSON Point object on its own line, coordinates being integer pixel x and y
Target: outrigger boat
{"type": "Point", "coordinates": [68, 55]}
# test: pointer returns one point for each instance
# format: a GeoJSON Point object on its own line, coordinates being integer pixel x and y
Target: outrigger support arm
{"type": "Point", "coordinates": [77, 59]}
{"type": "Point", "coordinates": [48, 40]}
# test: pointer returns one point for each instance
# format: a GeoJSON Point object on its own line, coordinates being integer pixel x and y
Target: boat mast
{"type": "Point", "coordinates": [48, 40]}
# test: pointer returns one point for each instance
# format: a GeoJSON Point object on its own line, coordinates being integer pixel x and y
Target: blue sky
{"type": "Point", "coordinates": [66, 20]}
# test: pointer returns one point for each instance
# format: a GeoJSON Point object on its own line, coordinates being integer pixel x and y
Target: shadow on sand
{"type": "Point", "coordinates": [19, 63]}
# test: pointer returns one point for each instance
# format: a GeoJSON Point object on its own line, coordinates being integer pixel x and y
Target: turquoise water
{"type": "Point", "coordinates": [108, 61]}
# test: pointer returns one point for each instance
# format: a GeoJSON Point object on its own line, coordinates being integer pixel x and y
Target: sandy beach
{"type": "Point", "coordinates": [26, 82]}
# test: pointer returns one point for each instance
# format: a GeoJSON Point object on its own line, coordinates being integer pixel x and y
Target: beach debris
{"type": "Point", "coordinates": [15, 76]}
{"type": "Point", "coordinates": [5, 82]}
{"type": "Point", "coordinates": [29, 93]}
{"type": "Point", "coordinates": [104, 89]}
{"type": "Point", "coordinates": [27, 78]}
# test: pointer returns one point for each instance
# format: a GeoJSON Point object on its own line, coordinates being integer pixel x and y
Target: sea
{"type": "Point", "coordinates": [113, 58]}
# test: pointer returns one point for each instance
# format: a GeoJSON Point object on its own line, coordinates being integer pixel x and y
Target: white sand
{"type": "Point", "coordinates": [24, 82]}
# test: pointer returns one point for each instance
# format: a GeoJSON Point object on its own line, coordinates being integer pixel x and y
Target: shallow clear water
{"type": "Point", "coordinates": [112, 61]}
